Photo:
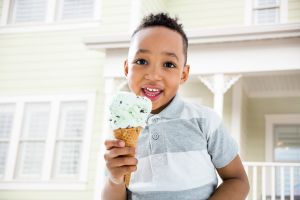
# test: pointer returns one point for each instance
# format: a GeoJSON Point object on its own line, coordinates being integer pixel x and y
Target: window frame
{"type": "Point", "coordinates": [51, 21]}
{"type": "Point", "coordinates": [250, 8]}
{"type": "Point", "coordinates": [270, 122]}
{"type": "Point", "coordinates": [47, 182]}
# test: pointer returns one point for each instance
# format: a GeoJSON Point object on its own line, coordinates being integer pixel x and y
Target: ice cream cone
{"type": "Point", "coordinates": [128, 115]}
{"type": "Point", "coordinates": [130, 137]}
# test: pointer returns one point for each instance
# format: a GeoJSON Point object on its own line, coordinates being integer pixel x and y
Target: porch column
{"type": "Point", "coordinates": [238, 130]}
{"type": "Point", "coordinates": [218, 84]}
{"type": "Point", "coordinates": [218, 93]}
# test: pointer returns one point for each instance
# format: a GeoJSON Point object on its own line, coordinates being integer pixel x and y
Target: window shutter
{"type": "Point", "coordinates": [68, 159]}
{"type": "Point", "coordinates": [266, 16]}
{"type": "Point", "coordinates": [32, 141]}
{"type": "Point", "coordinates": [266, 3]}
{"type": "Point", "coordinates": [69, 142]}
{"type": "Point", "coordinates": [266, 11]}
{"type": "Point", "coordinates": [71, 9]}
{"type": "Point", "coordinates": [3, 156]}
{"type": "Point", "coordinates": [31, 159]}
{"type": "Point", "coordinates": [6, 123]}
{"type": "Point", "coordinates": [29, 11]}
{"type": "Point", "coordinates": [6, 120]}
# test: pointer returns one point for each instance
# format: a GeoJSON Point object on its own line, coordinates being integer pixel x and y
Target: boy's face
{"type": "Point", "coordinates": [155, 65]}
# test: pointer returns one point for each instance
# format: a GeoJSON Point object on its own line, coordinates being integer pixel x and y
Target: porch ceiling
{"type": "Point", "coordinates": [272, 84]}
{"type": "Point", "coordinates": [268, 84]}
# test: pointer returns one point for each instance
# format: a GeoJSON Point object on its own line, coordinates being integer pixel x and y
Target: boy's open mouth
{"type": "Point", "coordinates": [153, 93]}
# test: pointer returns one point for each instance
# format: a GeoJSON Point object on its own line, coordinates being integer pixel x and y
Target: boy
{"type": "Point", "coordinates": [182, 144]}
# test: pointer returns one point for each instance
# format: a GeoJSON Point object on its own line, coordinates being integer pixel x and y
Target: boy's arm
{"type": "Point", "coordinates": [113, 191]}
{"type": "Point", "coordinates": [235, 184]}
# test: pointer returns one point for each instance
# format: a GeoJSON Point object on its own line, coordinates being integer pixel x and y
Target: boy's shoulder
{"type": "Point", "coordinates": [180, 108]}
{"type": "Point", "coordinates": [201, 111]}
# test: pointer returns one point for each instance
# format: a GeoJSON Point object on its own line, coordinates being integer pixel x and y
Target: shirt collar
{"type": "Point", "coordinates": [173, 110]}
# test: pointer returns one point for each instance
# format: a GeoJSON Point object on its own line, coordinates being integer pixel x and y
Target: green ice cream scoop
{"type": "Point", "coordinates": [128, 110]}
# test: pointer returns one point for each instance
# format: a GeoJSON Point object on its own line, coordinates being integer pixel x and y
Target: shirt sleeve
{"type": "Point", "coordinates": [220, 144]}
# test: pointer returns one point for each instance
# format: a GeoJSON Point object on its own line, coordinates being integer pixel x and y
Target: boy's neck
{"type": "Point", "coordinates": [157, 111]}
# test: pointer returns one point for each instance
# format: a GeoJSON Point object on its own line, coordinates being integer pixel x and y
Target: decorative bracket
{"type": "Point", "coordinates": [219, 84]}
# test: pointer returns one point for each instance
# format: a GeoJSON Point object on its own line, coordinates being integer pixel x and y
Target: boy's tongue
{"type": "Point", "coordinates": [151, 93]}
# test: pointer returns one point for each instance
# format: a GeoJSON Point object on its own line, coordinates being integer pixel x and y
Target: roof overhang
{"type": "Point", "coordinates": [204, 36]}
{"type": "Point", "coordinates": [220, 50]}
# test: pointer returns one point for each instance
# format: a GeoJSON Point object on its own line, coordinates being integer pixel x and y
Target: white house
{"type": "Point", "coordinates": [61, 61]}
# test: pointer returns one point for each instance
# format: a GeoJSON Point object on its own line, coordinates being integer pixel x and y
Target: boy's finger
{"type": "Point", "coordinates": [122, 162]}
{"type": "Point", "coordinates": [113, 143]}
{"type": "Point", "coordinates": [120, 152]}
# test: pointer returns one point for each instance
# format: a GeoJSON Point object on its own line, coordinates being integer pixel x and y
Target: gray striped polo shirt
{"type": "Point", "coordinates": [178, 152]}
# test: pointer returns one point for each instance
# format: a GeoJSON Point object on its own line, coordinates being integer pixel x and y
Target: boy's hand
{"type": "Point", "coordinates": [118, 161]}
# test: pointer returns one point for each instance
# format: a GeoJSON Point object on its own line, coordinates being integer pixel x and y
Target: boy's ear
{"type": "Point", "coordinates": [185, 74]}
{"type": "Point", "coordinates": [126, 67]}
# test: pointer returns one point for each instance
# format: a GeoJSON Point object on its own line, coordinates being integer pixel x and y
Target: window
{"type": "Point", "coordinates": [47, 141]}
{"type": "Point", "coordinates": [262, 12]}
{"type": "Point", "coordinates": [28, 11]}
{"type": "Point", "coordinates": [69, 141]}
{"type": "Point", "coordinates": [266, 11]}
{"type": "Point", "coordinates": [287, 143]}
{"type": "Point", "coordinates": [48, 11]}
{"type": "Point", "coordinates": [74, 9]}
{"type": "Point", "coordinates": [32, 141]}
{"type": "Point", "coordinates": [283, 145]}
{"type": "Point", "coordinates": [6, 124]}
{"type": "Point", "coordinates": [287, 149]}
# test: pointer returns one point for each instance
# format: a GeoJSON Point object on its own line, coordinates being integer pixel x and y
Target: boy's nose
{"type": "Point", "coordinates": [154, 73]}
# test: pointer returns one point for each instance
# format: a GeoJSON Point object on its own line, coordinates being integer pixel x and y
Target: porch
{"type": "Point", "coordinates": [273, 180]}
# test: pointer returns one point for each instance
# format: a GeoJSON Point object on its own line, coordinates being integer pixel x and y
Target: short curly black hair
{"type": "Point", "coordinates": [163, 19]}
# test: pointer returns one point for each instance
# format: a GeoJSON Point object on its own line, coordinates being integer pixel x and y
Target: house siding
{"type": "Point", "coordinates": [52, 63]}
{"type": "Point", "coordinates": [208, 13]}
{"type": "Point", "coordinates": [257, 109]}
{"type": "Point", "coordinates": [196, 89]}
{"type": "Point", "coordinates": [293, 11]}
{"type": "Point", "coordinates": [115, 18]}
{"type": "Point", "coordinates": [58, 62]}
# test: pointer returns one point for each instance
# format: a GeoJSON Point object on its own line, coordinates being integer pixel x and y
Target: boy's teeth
{"type": "Point", "coordinates": [152, 89]}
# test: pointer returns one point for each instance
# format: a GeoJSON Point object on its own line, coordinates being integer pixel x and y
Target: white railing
{"type": "Point", "coordinates": [273, 180]}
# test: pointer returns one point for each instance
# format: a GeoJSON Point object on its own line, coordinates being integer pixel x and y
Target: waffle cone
{"type": "Point", "coordinates": [130, 137]}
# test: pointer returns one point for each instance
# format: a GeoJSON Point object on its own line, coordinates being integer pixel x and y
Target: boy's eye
{"type": "Point", "coordinates": [141, 62]}
{"type": "Point", "coordinates": [169, 65]}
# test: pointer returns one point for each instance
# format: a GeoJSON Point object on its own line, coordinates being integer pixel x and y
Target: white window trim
{"type": "Point", "coordinates": [272, 120]}
{"type": "Point", "coordinates": [283, 16]}
{"type": "Point", "coordinates": [46, 183]}
{"type": "Point", "coordinates": [248, 12]}
{"type": "Point", "coordinates": [50, 24]}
